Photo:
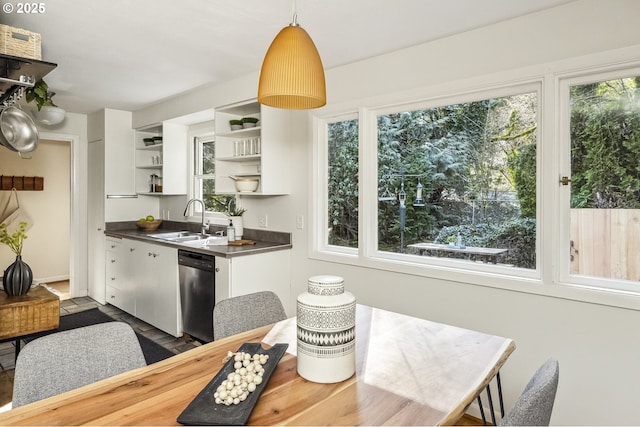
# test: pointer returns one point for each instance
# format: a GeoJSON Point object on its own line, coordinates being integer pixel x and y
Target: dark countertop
{"type": "Point", "coordinates": [266, 241]}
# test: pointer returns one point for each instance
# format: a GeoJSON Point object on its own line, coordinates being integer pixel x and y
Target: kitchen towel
{"type": "Point", "coordinates": [12, 220]}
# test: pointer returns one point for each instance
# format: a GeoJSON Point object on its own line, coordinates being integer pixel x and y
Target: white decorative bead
{"type": "Point", "coordinates": [247, 375]}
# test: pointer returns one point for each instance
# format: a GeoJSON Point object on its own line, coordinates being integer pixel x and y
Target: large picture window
{"type": "Point", "coordinates": [459, 181]}
{"type": "Point", "coordinates": [487, 187]}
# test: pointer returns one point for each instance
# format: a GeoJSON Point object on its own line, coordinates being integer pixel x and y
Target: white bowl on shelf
{"type": "Point", "coordinates": [247, 185]}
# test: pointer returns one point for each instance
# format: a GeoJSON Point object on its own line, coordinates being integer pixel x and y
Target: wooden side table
{"type": "Point", "coordinates": [37, 311]}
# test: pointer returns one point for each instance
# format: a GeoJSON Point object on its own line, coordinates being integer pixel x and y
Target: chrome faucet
{"type": "Point", "coordinates": [203, 227]}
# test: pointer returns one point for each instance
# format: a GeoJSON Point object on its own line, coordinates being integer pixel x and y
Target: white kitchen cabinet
{"type": "Point", "coordinates": [151, 273]}
{"type": "Point", "coordinates": [95, 219]}
{"type": "Point", "coordinates": [119, 290]}
{"type": "Point", "coordinates": [113, 127]}
{"type": "Point", "coordinates": [167, 159]}
{"type": "Point", "coordinates": [267, 271]}
{"type": "Point", "coordinates": [262, 151]}
{"type": "Point", "coordinates": [110, 162]}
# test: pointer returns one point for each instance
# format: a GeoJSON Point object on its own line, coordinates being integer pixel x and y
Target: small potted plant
{"type": "Point", "coordinates": [18, 276]}
{"type": "Point", "coordinates": [235, 211]}
{"type": "Point", "coordinates": [48, 113]}
{"type": "Point", "coordinates": [235, 217]}
{"type": "Point", "coordinates": [235, 124]}
{"type": "Point", "coordinates": [249, 122]}
{"type": "Point", "coordinates": [452, 240]}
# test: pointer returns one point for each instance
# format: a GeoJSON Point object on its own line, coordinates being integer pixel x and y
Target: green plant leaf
{"type": "Point", "coordinates": [42, 93]}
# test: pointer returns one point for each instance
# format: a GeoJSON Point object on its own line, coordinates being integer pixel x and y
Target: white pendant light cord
{"type": "Point", "coordinates": [294, 14]}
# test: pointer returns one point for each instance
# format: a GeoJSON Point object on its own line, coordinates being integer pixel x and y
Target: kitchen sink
{"type": "Point", "coordinates": [191, 238]}
{"type": "Point", "coordinates": [173, 235]}
{"type": "Point", "coordinates": [208, 241]}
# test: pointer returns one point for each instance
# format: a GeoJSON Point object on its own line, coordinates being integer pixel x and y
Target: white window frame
{"type": "Point", "coordinates": [370, 193]}
{"type": "Point", "coordinates": [197, 160]}
{"type": "Point", "coordinates": [552, 216]}
{"type": "Point", "coordinates": [564, 193]}
{"type": "Point", "coordinates": [367, 253]}
{"type": "Point", "coordinates": [215, 218]}
{"type": "Point", "coordinates": [320, 204]}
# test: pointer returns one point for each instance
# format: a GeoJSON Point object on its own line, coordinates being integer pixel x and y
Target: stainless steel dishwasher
{"type": "Point", "coordinates": [197, 293]}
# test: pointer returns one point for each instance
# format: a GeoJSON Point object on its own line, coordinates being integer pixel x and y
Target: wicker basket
{"type": "Point", "coordinates": [37, 311]}
{"type": "Point", "coordinates": [19, 42]}
{"type": "Point", "coordinates": [149, 225]}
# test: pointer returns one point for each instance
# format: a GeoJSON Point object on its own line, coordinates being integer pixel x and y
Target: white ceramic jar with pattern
{"type": "Point", "coordinates": [326, 331]}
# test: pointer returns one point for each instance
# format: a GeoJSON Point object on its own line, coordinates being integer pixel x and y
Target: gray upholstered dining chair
{"type": "Point", "coordinates": [242, 313]}
{"type": "Point", "coordinates": [534, 406]}
{"type": "Point", "coordinates": [66, 360]}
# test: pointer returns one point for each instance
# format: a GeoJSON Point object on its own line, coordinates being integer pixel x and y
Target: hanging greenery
{"type": "Point", "coordinates": [40, 94]}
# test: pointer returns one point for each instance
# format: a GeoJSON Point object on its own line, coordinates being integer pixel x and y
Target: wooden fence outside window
{"type": "Point", "coordinates": [606, 243]}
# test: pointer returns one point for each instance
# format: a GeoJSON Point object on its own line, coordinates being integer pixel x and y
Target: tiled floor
{"type": "Point", "coordinates": [74, 305]}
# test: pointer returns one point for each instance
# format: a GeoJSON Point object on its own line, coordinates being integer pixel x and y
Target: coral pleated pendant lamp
{"type": "Point", "coordinates": [292, 76]}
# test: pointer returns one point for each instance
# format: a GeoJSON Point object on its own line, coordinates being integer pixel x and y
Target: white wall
{"type": "Point", "coordinates": [46, 249]}
{"type": "Point", "coordinates": [73, 130]}
{"type": "Point", "coordinates": [594, 343]}
{"type": "Point", "coordinates": [56, 246]}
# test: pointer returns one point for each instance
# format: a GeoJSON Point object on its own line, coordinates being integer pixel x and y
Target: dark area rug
{"type": "Point", "coordinates": [153, 352]}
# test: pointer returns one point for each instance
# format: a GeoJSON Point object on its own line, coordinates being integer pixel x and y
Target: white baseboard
{"type": "Point", "coordinates": [50, 279]}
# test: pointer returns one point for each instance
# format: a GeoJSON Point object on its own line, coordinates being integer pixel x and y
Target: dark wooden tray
{"type": "Point", "coordinates": [204, 411]}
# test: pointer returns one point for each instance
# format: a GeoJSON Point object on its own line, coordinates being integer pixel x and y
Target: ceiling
{"type": "Point", "coordinates": [129, 54]}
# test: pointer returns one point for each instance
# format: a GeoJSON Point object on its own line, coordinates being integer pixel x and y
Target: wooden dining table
{"type": "Point", "coordinates": [409, 371]}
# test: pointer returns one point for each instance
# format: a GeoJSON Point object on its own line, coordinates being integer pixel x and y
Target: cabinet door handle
{"type": "Point", "coordinates": [217, 269]}
{"type": "Point", "coordinates": [113, 278]}
{"type": "Point", "coordinates": [112, 261]}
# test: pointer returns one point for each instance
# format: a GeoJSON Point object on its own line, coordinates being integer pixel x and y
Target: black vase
{"type": "Point", "coordinates": [17, 278]}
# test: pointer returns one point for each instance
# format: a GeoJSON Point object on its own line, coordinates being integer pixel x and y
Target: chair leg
{"type": "Point", "coordinates": [17, 349]}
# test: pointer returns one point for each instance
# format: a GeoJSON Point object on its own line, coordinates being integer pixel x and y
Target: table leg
{"type": "Point", "coordinates": [490, 399]}
{"type": "Point", "coordinates": [484, 418]}
{"type": "Point", "coordinates": [500, 394]}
